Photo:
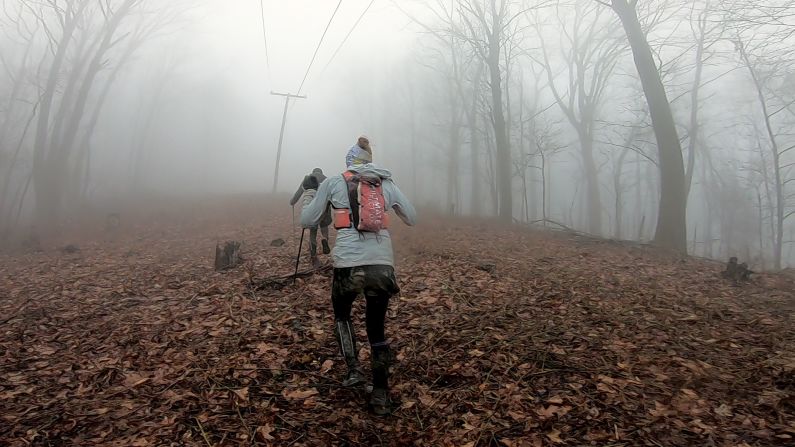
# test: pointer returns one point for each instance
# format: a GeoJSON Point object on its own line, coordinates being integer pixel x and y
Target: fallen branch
{"type": "Point", "coordinates": [279, 282]}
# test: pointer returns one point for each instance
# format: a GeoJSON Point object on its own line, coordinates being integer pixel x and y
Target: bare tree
{"type": "Point", "coordinates": [762, 33]}
{"type": "Point", "coordinates": [631, 142]}
{"type": "Point", "coordinates": [86, 44]}
{"type": "Point", "coordinates": [762, 77]}
{"type": "Point", "coordinates": [706, 32]}
{"type": "Point", "coordinates": [487, 27]}
{"type": "Point", "coordinates": [8, 118]}
{"type": "Point", "coordinates": [590, 48]}
{"type": "Point", "coordinates": [671, 229]}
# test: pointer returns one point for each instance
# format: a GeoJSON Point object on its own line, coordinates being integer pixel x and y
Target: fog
{"type": "Point", "coordinates": [555, 119]}
{"type": "Point", "coordinates": [217, 114]}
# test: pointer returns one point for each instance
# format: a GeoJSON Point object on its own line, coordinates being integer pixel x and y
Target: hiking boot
{"type": "Point", "coordinates": [346, 339]}
{"type": "Point", "coordinates": [326, 248]}
{"type": "Point", "coordinates": [316, 262]}
{"type": "Point", "coordinates": [379, 402]}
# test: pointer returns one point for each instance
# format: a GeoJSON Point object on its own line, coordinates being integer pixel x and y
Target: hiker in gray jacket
{"type": "Point", "coordinates": [311, 181]}
{"type": "Point", "coordinates": [363, 265]}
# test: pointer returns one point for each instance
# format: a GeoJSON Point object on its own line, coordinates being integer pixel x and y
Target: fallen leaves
{"type": "Point", "coordinates": [300, 394]}
{"type": "Point", "coordinates": [566, 341]}
{"type": "Point", "coordinates": [553, 410]}
{"type": "Point", "coordinates": [326, 366]}
{"type": "Point", "coordinates": [242, 394]}
{"type": "Point", "coordinates": [264, 433]}
{"type": "Point", "coordinates": [554, 436]}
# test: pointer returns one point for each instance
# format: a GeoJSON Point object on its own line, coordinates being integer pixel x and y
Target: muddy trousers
{"type": "Point", "coordinates": [313, 239]}
{"type": "Point", "coordinates": [377, 283]}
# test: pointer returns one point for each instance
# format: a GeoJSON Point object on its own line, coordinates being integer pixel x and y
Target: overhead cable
{"type": "Point", "coordinates": [348, 35]}
{"type": "Point", "coordinates": [265, 37]}
{"type": "Point", "coordinates": [328, 25]}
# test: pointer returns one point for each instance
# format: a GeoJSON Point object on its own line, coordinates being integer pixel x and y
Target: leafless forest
{"type": "Point", "coordinates": [583, 170]}
{"type": "Point", "coordinates": [656, 121]}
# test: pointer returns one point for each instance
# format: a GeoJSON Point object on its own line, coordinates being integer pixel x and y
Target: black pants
{"type": "Point", "coordinates": [377, 283]}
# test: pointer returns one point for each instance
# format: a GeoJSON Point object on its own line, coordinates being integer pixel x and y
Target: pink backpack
{"type": "Point", "coordinates": [368, 206]}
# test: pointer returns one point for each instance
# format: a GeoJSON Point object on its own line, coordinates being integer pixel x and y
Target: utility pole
{"type": "Point", "coordinates": [287, 97]}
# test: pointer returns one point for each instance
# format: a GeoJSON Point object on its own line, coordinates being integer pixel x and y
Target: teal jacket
{"type": "Point", "coordinates": [354, 249]}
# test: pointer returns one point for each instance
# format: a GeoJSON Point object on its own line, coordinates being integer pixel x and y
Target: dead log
{"type": "Point", "coordinates": [227, 257]}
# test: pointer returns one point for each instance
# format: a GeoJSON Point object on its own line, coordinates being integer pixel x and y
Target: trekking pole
{"type": "Point", "coordinates": [292, 230]}
{"type": "Point", "coordinates": [298, 259]}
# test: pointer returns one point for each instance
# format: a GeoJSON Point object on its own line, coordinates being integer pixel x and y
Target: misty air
{"type": "Point", "coordinates": [397, 222]}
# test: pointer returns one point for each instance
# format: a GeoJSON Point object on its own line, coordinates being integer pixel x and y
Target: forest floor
{"type": "Point", "coordinates": [504, 336]}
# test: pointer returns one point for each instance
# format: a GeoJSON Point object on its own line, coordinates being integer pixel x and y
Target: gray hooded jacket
{"type": "Point", "coordinates": [326, 219]}
{"type": "Point", "coordinates": [354, 249]}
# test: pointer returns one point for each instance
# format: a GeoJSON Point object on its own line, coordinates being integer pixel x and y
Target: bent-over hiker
{"type": "Point", "coordinates": [312, 181]}
{"type": "Point", "coordinates": [363, 262]}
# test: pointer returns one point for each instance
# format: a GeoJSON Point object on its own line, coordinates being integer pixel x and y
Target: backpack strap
{"type": "Point", "coordinates": [352, 182]}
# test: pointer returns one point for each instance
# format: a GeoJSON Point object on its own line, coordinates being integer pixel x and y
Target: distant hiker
{"type": "Point", "coordinates": [312, 181]}
{"type": "Point", "coordinates": [363, 261]}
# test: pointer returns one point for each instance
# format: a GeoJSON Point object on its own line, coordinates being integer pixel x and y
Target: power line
{"type": "Point", "coordinates": [265, 37]}
{"type": "Point", "coordinates": [328, 25]}
{"type": "Point", "coordinates": [348, 35]}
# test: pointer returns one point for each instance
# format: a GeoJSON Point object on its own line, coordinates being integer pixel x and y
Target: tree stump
{"type": "Point", "coordinates": [228, 256]}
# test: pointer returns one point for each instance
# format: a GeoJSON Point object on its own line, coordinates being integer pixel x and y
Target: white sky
{"type": "Point", "coordinates": [232, 31]}
{"type": "Point", "coordinates": [223, 41]}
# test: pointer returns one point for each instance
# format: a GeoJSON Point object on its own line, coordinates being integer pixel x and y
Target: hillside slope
{"type": "Point", "coordinates": [503, 336]}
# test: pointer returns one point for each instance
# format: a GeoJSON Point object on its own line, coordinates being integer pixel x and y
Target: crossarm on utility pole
{"type": "Point", "coordinates": [287, 97]}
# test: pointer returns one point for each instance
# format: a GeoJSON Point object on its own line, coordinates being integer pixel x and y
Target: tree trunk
{"type": "Point", "coordinates": [671, 229]}
{"type": "Point", "coordinates": [474, 158]}
{"type": "Point", "coordinates": [593, 193]}
{"type": "Point", "coordinates": [774, 149]}
{"type": "Point", "coordinates": [693, 131]}
{"type": "Point", "coordinates": [618, 187]}
{"type": "Point", "coordinates": [454, 152]}
{"type": "Point", "coordinates": [413, 129]}
{"type": "Point", "coordinates": [493, 182]}
{"type": "Point", "coordinates": [43, 178]}
{"type": "Point", "coordinates": [81, 166]}
{"type": "Point", "coordinates": [4, 192]}
{"type": "Point", "coordinates": [81, 102]}
{"type": "Point", "coordinates": [503, 168]}
{"type": "Point", "coordinates": [545, 175]}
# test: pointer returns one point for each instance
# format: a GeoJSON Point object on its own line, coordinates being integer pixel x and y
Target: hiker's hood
{"type": "Point", "coordinates": [371, 169]}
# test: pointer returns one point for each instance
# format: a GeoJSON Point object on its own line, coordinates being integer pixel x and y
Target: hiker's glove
{"type": "Point", "coordinates": [310, 182]}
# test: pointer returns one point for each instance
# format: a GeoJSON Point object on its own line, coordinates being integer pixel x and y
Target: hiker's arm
{"type": "Point", "coordinates": [403, 208]}
{"type": "Point", "coordinates": [297, 195]}
{"type": "Point", "coordinates": [315, 203]}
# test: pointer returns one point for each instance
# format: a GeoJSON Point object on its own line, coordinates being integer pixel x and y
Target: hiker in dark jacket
{"type": "Point", "coordinates": [363, 265]}
{"type": "Point", "coordinates": [315, 178]}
